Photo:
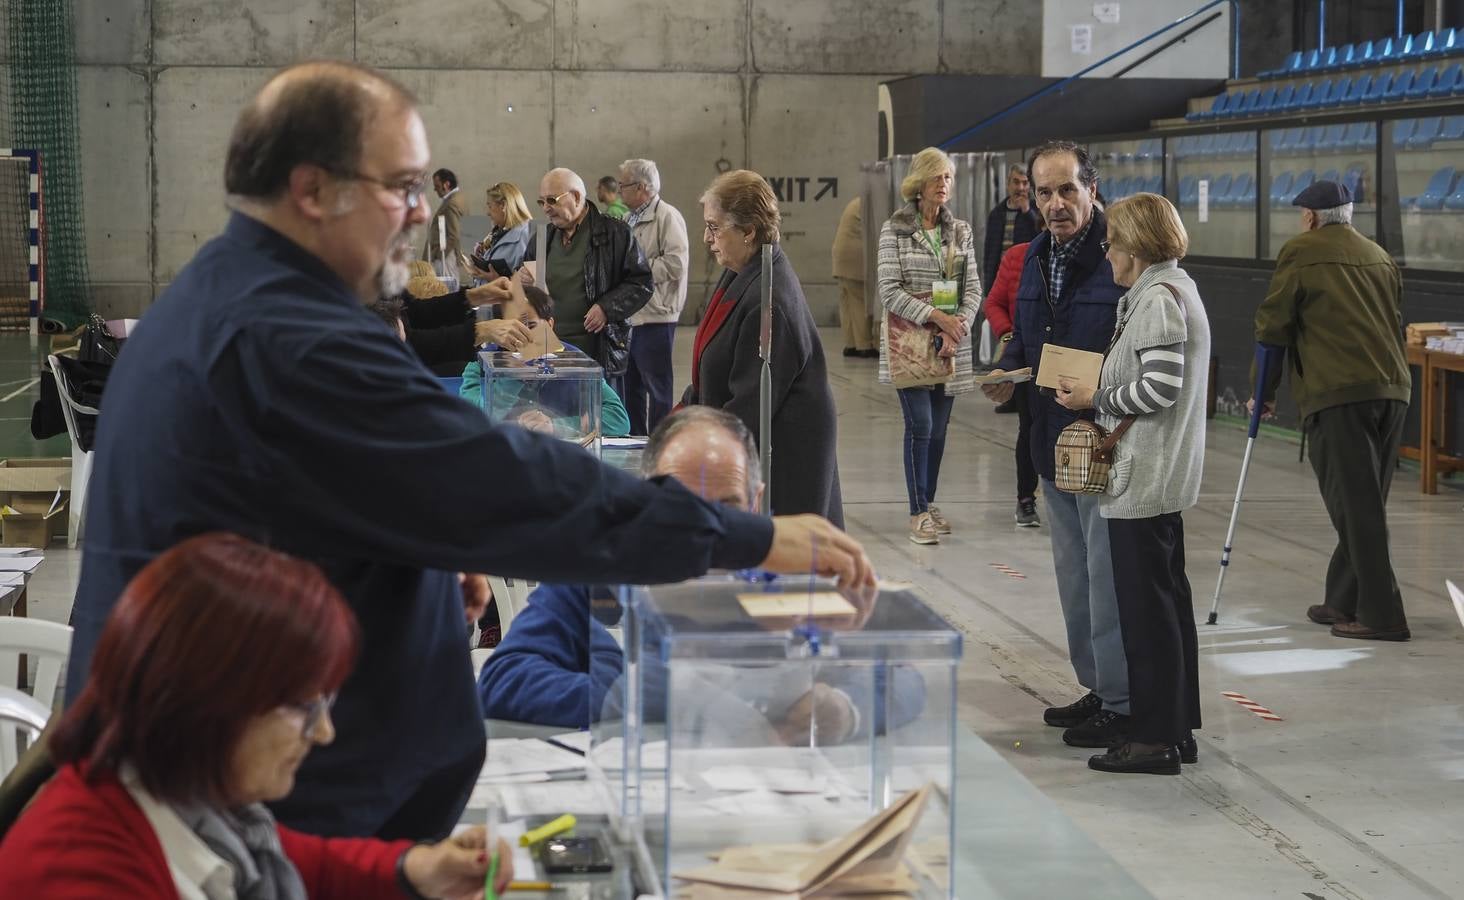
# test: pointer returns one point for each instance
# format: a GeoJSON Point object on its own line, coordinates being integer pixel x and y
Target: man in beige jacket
{"type": "Point", "coordinates": [450, 211]}
{"type": "Point", "coordinates": [661, 232]}
{"type": "Point", "coordinates": [849, 270]}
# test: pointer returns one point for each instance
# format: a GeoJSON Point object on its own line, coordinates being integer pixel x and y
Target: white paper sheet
{"type": "Point", "coordinates": [16, 551]}
{"type": "Point", "coordinates": [20, 563]}
{"type": "Point", "coordinates": [510, 758]}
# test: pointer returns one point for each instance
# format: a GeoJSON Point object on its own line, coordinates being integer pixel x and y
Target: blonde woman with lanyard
{"type": "Point", "coordinates": [924, 253]}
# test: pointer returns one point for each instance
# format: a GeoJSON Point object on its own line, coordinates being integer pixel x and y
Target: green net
{"type": "Point", "coordinates": [41, 112]}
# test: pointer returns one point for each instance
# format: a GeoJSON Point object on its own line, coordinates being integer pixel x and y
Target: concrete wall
{"type": "Point", "coordinates": [510, 88]}
{"type": "Point", "coordinates": [1204, 54]}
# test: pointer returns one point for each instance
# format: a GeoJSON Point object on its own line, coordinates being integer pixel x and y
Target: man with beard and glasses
{"type": "Point", "coordinates": [261, 396]}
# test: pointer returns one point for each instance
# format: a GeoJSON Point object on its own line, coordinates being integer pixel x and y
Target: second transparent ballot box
{"type": "Point", "coordinates": [760, 717]}
{"type": "Point", "coordinates": [557, 393]}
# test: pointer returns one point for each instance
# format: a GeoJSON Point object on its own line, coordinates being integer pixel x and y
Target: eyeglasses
{"type": "Point", "coordinates": [315, 711]}
{"type": "Point", "coordinates": [1104, 245]}
{"type": "Point", "coordinates": [411, 188]}
{"type": "Point", "coordinates": [547, 202]}
{"type": "Point", "coordinates": [627, 184]}
{"type": "Point", "coordinates": [713, 230]}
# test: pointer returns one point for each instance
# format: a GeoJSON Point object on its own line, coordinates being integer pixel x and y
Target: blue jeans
{"type": "Point", "coordinates": [1084, 566]}
{"type": "Point", "coordinates": [927, 412]}
{"type": "Point", "coordinates": [648, 379]}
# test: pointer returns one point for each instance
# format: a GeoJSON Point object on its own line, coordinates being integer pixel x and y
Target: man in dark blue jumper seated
{"type": "Point", "coordinates": [559, 665]}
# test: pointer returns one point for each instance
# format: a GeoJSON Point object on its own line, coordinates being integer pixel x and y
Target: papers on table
{"type": "Point", "coordinates": [624, 443]}
{"type": "Point", "coordinates": [26, 564]}
{"type": "Point", "coordinates": [818, 603]}
{"type": "Point", "coordinates": [16, 551]}
{"type": "Point", "coordinates": [513, 759]}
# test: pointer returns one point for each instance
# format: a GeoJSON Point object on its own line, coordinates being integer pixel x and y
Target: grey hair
{"type": "Point", "coordinates": [1016, 169]}
{"type": "Point", "coordinates": [644, 171]}
{"type": "Point", "coordinates": [705, 417]}
{"type": "Point", "coordinates": [1337, 215]}
{"type": "Point", "coordinates": [570, 178]}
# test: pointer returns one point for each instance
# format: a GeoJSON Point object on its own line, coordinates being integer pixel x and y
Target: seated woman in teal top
{"type": "Point", "coordinates": [536, 311]}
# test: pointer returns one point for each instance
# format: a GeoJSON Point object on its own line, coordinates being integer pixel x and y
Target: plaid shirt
{"type": "Point", "coordinates": [1060, 256]}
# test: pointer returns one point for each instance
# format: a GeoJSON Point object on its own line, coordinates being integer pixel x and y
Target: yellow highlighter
{"type": "Point", "coordinates": [547, 830]}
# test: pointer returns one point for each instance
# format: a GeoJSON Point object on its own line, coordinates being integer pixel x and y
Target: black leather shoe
{"type": "Point", "coordinates": [1125, 760]}
{"type": "Point", "coordinates": [1075, 713]}
{"type": "Point", "coordinates": [1326, 615]}
{"type": "Point", "coordinates": [1189, 751]}
{"type": "Point", "coordinates": [1102, 729]}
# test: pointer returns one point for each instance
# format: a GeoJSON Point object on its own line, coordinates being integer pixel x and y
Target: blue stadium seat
{"type": "Point", "coordinates": [1150, 149]}
{"type": "Point", "coordinates": [1452, 129]}
{"type": "Point", "coordinates": [1403, 130]}
{"type": "Point", "coordinates": [1339, 91]}
{"type": "Point", "coordinates": [1281, 189]}
{"type": "Point", "coordinates": [1440, 187]}
{"type": "Point", "coordinates": [1288, 141]}
{"type": "Point", "coordinates": [1425, 134]}
{"type": "Point", "coordinates": [1181, 146]}
{"type": "Point", "coordinates": [1243, 191]}
{"type": "Point", "coordinates": [1448, 43]}
{"type": "Point", "coordinates": [1363, 55]}
{"type": "Point", "coordinates": [1351, 136]}
{"type": "Point", "coordinates": [1399, 88]}
{"type": "Point", "coordinates": [1312, 61]}
{"type": "Point", "coordinates": [1283, 98]}
{"type": "Point", "coordinates": [1288, 68]}
{"type": "Point", "coordinates": [1423, 83]}
{"type": "Point", "coordinates": [1247, 145]}
{"type": "Point", "coordinates": [1155, 185]}
{"type": "Point", "coordinates": [1309, 138]}
{"type": "Point", "coordinates": [1367, 140]}
{"type": "Point", "coordinates": [1301, 96]}
{"type": "Point", "coordinates": [1189, 190]}
{"type": "Point", "coordinates": [1379, 87]}
{"type": "Point", "coordinates": [1330, 175]}
{"type": "Point", "coordinates": [1386, 50]}
{"type": "Point", "coordinates": [1225, 144]}
{"type": "Point", "coordinates": [1342, 57]}
{"type": "Point", "coordinates": [1303, 180]}
{"type": "Point", "coordinates": [1199, 115]}
{"type": "Point", "coordinates": [1220, 189]}
{"type": "Point", "coordinates": [1353, 180]}
{"type": "Point", "coordinates": [1246, 107]}
{"type": "Point", "coordinates": [1447, 82]}
{"type": "Point", "coordinates": [1360, 86]}
{"type": "Point", "coordinates": [1266, 105]}
{"type": "Point", "coordinates": [1120, 189]}
{"type": "Point", "coordinates": [1319, 94]}
{"type": "Point", "coordinates": [1423, 44]}
{"type": "Point", "coordinates": [1331, 139]}
{"type": "Point", "coordinates": [1206, 145]}
{"type": "Point", "coordinates": [1455, 200]}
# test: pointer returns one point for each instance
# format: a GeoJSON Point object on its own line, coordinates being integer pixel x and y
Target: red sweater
{"type": "Point", "coordinates": [80, 840]}
{"type": "Point", "coordinates": [1002, 296]}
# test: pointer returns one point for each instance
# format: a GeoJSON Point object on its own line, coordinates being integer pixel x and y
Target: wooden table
{"type": "Point", "coordinates": [1432, 418]}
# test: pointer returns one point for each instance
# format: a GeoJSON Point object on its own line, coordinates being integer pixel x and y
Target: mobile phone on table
{"type": "Point", "coordinates": [575, 855]}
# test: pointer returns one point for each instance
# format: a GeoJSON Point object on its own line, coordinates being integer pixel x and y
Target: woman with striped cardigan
{"type": "Point", "coordinates": [921, 244]}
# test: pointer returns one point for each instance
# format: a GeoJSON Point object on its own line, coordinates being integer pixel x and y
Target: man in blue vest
{"type": "Point", "coordinates": [1067, 297]}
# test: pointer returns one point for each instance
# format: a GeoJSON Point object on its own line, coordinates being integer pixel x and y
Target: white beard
{"type": "Point", "coordinates": [395, 271]}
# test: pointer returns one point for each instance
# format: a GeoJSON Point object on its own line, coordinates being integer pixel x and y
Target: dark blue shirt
{"type": "Point", "coordinates": [259, 396]}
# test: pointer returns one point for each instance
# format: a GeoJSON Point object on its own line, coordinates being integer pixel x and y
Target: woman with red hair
{"type": "Point", "coordinates": [166, 759]}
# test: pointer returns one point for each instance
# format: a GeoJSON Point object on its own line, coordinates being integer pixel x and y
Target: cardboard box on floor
{"type": "Point", "coordinates": [29, 486]}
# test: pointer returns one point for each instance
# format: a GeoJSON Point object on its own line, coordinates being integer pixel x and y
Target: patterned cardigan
{"type": "Point", "coordinates": [907, 266]}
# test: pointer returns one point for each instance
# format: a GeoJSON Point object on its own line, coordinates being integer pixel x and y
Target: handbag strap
{"type": "Point", "coordinates": [1111, 441]}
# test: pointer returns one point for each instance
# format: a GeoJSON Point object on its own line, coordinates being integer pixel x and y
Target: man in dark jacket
{"type": "Point", "coordinates": [261, 397]}
{"type": "Point", "coordinates": [1010, 222]}
{"type": "Point", "coordinates": [1067, 297]}
{"type": "Point", "coordinates": [1336, 305]}
{"type": "Point", "coordinates": [594, 270]}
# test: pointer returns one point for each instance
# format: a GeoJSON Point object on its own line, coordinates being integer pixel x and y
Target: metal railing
{"type": "Point", "coordinates": [1059, 85]}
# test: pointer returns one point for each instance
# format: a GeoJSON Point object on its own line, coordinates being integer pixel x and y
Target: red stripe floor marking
{"type": "Point", "coordinates": [1255, 708]}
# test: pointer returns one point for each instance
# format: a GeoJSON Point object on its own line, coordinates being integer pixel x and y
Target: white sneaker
{"type": "Point", "coordinates": [922, 530]}
{"type": "Point", "coordinates": [941, 525]}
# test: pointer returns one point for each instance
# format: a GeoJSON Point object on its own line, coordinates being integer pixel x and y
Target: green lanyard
{"type": "Point", "coordinates": [935, 247]}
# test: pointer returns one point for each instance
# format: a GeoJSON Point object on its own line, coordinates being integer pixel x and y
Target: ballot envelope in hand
{"type": "Point", "coordinates": [1082, 366]}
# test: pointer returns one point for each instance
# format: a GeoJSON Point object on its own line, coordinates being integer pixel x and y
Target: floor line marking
{"type": "Point", "coordinates": [20, 390]}
{"type": "Point", "coordinates": [1255, 708]}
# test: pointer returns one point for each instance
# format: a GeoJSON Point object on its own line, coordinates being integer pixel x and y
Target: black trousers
{"type": "Point", "coordinates": [1026, 467]}
{"type": "Point", "coordinates": [1156, 612]}
{"type": "Point", "coordinates": [648, 380]}
{"type": "Point", "coordinates": [1353, 449]}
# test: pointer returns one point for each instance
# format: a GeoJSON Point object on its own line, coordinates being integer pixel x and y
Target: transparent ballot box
{"type": "Point", "coordinates": [767, 726]}
{"type": "Point", "coordinates": [558, 393]}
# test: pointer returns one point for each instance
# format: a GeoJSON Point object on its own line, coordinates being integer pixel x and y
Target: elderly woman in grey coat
{"type": "Point", "coordinates": [1154, 372]}
{"type": "Point", "coordinates": [922, 247]}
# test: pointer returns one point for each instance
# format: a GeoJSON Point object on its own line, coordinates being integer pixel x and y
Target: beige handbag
{"type": "Point", "coordinates": [1084, 456]}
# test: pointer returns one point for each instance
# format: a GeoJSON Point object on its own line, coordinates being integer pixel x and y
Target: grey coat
{"type": "Point", "coordinates": [805, 476]}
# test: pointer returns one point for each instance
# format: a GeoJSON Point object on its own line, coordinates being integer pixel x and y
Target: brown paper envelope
{"type": "Point", "coordinates": [1082, 366]}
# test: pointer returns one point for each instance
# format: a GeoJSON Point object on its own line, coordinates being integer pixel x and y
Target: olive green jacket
{"type": "Point", "coordinates": [1336, 305]}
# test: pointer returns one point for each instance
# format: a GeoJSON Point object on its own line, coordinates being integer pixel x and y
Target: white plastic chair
{"type": "Point", "coordinates": [80, 459]}
{"type": "Point", "coordinates": [510, 595]}
{"type": "Point", "coordinates": [21, 718]}
{"type": "Point", "coordinates": [48, 644]}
